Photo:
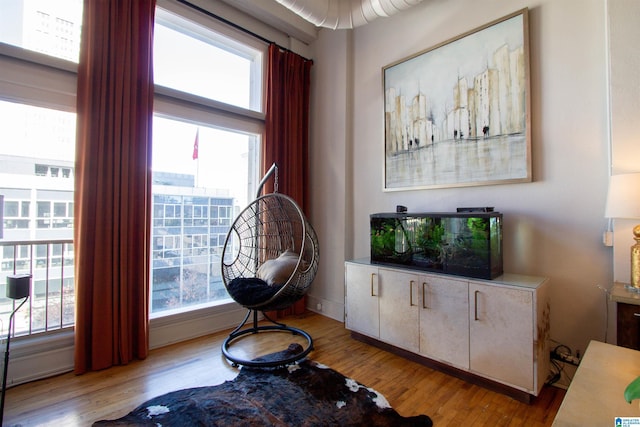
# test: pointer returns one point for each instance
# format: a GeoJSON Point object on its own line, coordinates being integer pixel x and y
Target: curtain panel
{"type": "Point", "coordinates": [113, 183]}
{"type": "Point", "coordinates": [286, 139]}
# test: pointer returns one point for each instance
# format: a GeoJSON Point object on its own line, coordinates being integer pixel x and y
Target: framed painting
{"type": "Point", "coordinates": [458, 114]}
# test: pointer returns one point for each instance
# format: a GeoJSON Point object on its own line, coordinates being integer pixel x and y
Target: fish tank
{"type": "Point", "coordinates": [466, 243]}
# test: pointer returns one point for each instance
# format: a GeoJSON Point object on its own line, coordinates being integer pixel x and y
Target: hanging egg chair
{"type": "Point", "coordinates": [269, 259]}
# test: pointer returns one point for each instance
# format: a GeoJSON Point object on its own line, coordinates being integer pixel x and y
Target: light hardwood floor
{"type": "Point", "coordinates": [412, 389]}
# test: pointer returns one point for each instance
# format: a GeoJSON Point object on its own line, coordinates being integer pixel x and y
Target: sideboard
{"type": "Point", "coordinates": [491, 332]}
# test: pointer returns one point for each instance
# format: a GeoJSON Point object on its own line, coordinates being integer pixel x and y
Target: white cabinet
{"type": "Point", "coordinates": [361, 299]}
{"type": "Point", "coordinates": [399, 308]}
{"type": "Point", "coordinates": [494, 329]}
{"type": "Point", "coordinates": [444, 320]}
{"type": "Point", "coordinates": [508, 332]}
{"type": "Point", "coordinates": [382, 303]}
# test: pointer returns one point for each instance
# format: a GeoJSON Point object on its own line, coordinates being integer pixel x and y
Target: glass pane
{"type": "Point", "coordinates": [38, 144]}
{"type": "Point", "coordinates": [49, 27]}
{"type": "Point", "coordinates": [60, 209]}
{"type": "Point", "coordinates": [39, 133]}
{"type": "Point", "coordinates": [198, 61]}
{"type": "Point", "coordinates": [25, 210]}
{"type": "Point", "coordinates": [218, 174]}
{"type": "Point", "coordinates": [44, 209]}
{"type": "Point", "coordinates": [10, 208]}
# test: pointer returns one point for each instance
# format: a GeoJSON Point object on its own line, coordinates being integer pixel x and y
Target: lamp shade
{"type": "Point", "coordinates": [623, 198]}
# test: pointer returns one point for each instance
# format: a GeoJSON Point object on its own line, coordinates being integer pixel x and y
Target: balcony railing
{"type": "Point", "coordinates": [51, 304]}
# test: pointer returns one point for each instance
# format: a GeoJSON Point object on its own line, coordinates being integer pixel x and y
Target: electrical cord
{"type": "Point", "coordinates": [557, 370]}
{"type": "Point", "coordinates": [557, 374]}
{"type": "Point", "coordinates": [607, 293]}
{"type": "Point", "coordinates": [563, 353]}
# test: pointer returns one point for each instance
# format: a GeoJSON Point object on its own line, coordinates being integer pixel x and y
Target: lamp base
{"type": "Point", "coordinates": [635, 258]}
{"type": "Point", "coordinates": [632, 289]}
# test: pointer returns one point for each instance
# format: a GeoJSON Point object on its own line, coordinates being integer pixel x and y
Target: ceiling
{"type": "Point", "coordinates": [273, 13]}
{"type": "Point", "coordinates": [303, 18]}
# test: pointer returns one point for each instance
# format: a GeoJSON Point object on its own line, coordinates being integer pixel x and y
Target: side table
{"type": "Point", "coordinates": [596, 394]}
{"type": "Point", "coordinates": [628, 317]}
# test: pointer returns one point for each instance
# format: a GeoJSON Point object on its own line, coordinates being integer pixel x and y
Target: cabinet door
{"type": "Point", "coordinates": [361, 299]}
{"type": "Point", "coordinates": [501, 334]}
{"type": "Point", "coordinates": [628, 326]}
{"type": "Point", "coordinates": [399, 313]}
{"type": "Point", "coordinates": [444, 320]}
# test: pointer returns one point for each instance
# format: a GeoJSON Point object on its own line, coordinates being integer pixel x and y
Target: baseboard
{"type": "Point", "coordinates": [39, 357]}
{"type": "Point", "coordinates": [326, 308]}
{"type": "Point", "coordinates": [168, 330]}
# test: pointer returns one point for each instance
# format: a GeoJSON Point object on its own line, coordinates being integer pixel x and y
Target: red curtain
{"type": "Point", "coordinates": [286, 140]}
{"type": "Point", "coordinates": [113, 183]}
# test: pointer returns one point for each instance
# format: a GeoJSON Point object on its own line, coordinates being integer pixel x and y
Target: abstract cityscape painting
{"type": "Point", "coordinates": [458, 114]}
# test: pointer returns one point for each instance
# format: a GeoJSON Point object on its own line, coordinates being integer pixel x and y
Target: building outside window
{"type": "Point", "coordinates": [206, 144]}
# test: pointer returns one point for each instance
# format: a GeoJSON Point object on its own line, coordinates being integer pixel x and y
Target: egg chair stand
{"type": "Point", "coordinates": [269, 259]}
{"type": "Point", "coordinates": [255, 329]}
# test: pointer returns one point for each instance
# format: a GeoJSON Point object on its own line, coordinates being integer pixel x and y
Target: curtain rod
{"type": "Point", "coordinates": [238, 27]}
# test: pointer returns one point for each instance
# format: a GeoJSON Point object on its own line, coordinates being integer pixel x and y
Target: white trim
{"type": "Point", "coordinates": [46, 84]}
{"type": "Point", "coordinates": [38, 357]}
{"type": "Point", "coordinates": [184, 326]}
{"type": "Point", "coordinates": [327, 308]}
{"type": "Point", "coordinates": [173, 104]}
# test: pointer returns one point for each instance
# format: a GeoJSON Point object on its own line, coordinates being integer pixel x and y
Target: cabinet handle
{"type": "Point", "coordinates": [636, 314]}
{"type": "Point", "coordinates": [372, 276]}
{"type": "Point", "coordinates": [424, 297]}
{"type": "Point", "coordinates": [475, 297]}
{"type": "Point", "coordinates": [411, 293]}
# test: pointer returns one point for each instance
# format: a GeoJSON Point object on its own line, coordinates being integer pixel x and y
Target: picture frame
{"type": "Point", "coordinates": [458, 114]}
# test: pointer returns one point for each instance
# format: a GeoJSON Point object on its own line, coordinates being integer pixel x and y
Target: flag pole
{"type": "Point", "coordinates": [196, 155]}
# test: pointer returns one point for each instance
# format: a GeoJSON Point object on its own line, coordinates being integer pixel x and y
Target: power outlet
{"type": "Point", "coordinates": [319, 307]}
{"type": "Point", "coordinates": [564, 357]}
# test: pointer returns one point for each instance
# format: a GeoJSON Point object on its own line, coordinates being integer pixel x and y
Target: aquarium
{"type": "Point", "coordinates": [460, 243]}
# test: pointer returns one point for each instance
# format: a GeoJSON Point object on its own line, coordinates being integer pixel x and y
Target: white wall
{"type": "Point", "coordinates": [331, 207]}
{"type": "Point", "coordinates": [553, 226]}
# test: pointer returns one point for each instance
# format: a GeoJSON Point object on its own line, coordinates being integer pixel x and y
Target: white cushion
{"type": "Point", "coordinates": [277, 271]}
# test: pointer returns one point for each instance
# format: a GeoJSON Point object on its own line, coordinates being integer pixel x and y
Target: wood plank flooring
{"type": "Point", "coordinates": [412, 389]}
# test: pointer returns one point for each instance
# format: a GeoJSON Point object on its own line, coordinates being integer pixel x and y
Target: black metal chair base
{"type": "Point", "coordinates": [255, 329]}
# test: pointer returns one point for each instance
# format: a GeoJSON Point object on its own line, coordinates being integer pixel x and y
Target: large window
{"type": "Point", "coordinates": [205, 152]}
{"type": "Point", "coordinates": [37, 154]}
{"type": "Point", "coordinates": [206, 144]}
{"type": "Point", "coordinates": [202, 176]}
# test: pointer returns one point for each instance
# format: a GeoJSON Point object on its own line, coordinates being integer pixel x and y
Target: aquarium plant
{"type": "Point", "coordinates": [430, 239]}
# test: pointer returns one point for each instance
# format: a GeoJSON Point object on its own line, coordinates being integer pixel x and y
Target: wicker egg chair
{"type": "Point", "coordinates": [269, 259]}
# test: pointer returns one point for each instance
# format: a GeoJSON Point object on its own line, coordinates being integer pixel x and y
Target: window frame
{"type": "Point", "coordinates": [178, 17]}
{"type": "Point", "coordinates": [174, 104]}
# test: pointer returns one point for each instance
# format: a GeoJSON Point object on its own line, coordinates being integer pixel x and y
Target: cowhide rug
{"type": "Point", "coordinates": [303, 394]}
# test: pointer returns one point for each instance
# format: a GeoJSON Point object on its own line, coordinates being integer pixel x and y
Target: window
{"type": "Point", "coordinates": [207, 126]}
{"type": "Point", "coordinates": [16, 214]}
{"type": "Point", "coordinates": [192, 216]}
{"type": "Point", "coordinates": [49, 27]}
{"type": "Point", "coordinates": [205, 161]}
{"type": "Point", "coordinates": [201, 61]}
